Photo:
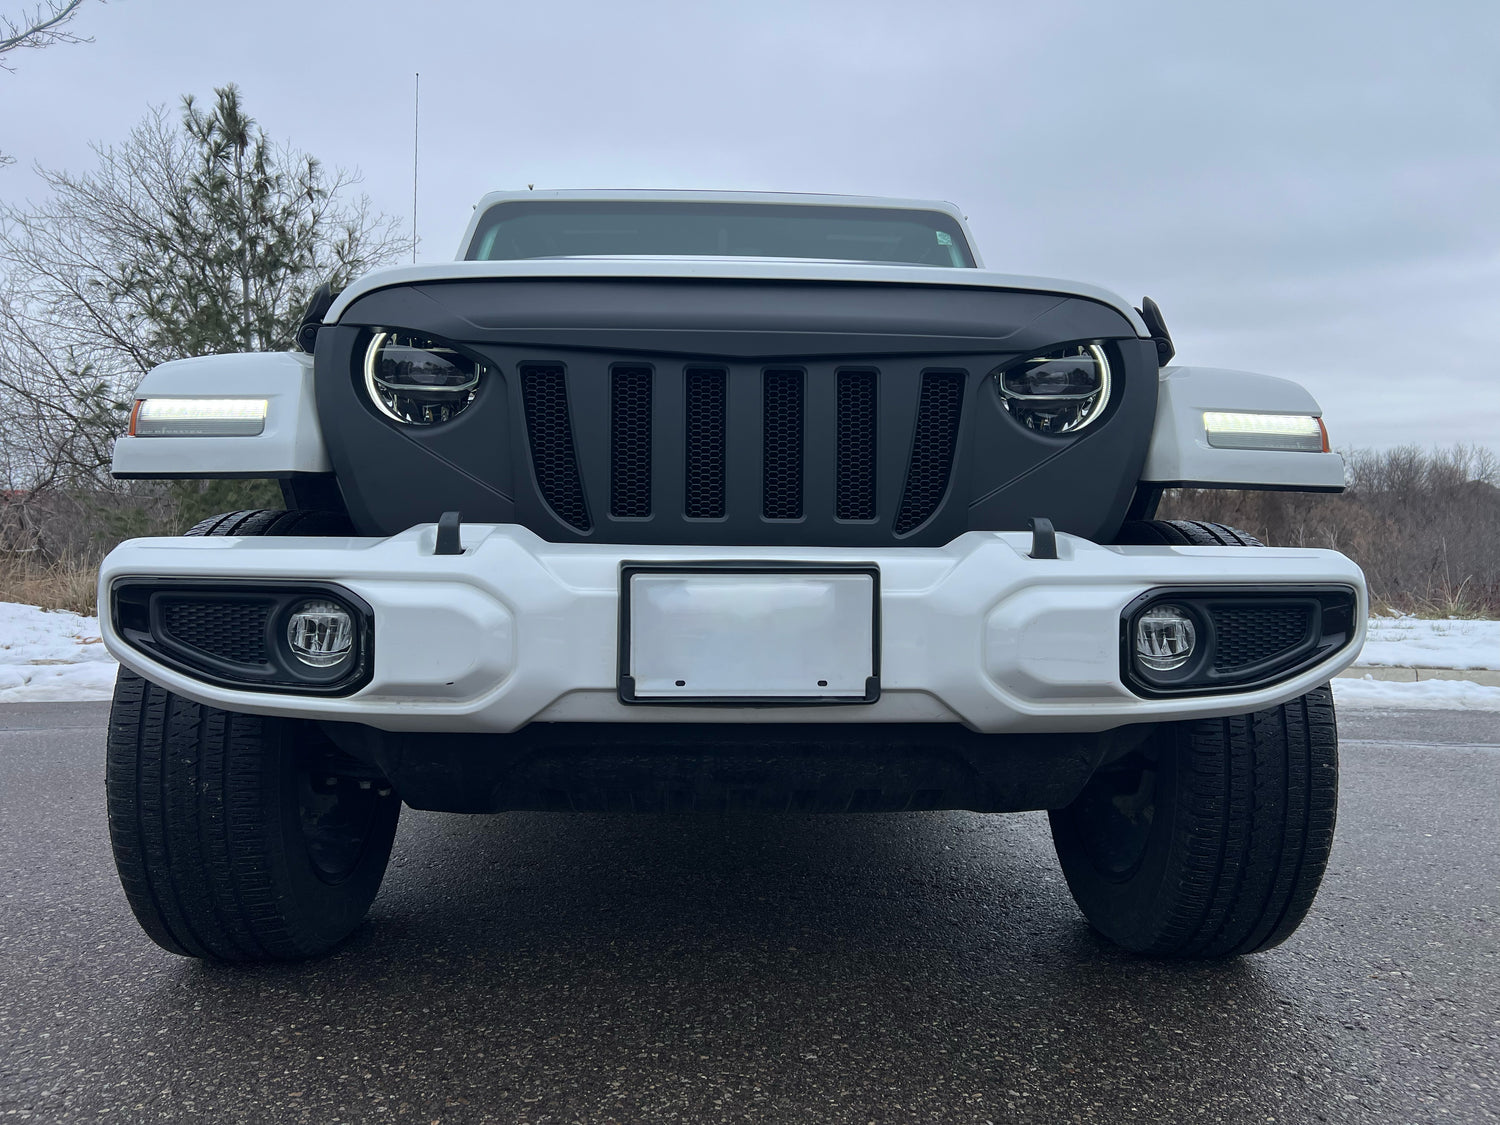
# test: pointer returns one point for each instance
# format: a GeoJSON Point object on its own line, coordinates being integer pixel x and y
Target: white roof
{"type": "Point", "coordinates": [683, 195]}
{"type": "Point", "coordinates": [651, 195]}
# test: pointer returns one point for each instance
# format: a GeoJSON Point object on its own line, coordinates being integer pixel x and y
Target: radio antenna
{"type": "Point", "coordinates": [416, 120]}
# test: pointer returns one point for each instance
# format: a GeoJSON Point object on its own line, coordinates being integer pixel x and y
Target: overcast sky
{"type": "Point", "coordinates": [1308, 189]}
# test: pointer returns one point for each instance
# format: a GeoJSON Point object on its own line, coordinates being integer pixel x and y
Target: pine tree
{"type": "Point", "coordinates": [241, 244]}
{"type": "Point", "coordinates": [193, 237]}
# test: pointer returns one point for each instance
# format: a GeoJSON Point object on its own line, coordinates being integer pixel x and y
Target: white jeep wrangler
{"type": "Point", "coordinates": [719, 501]}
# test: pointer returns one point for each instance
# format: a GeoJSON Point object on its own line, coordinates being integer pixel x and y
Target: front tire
{"type": "Point", "coordinates": [241, 837]}
{"type": "Point", "coordinates": [1211, 838]}
{"type": "Point", "coordinates": [1184, 533]}
{"type": "Point", "coordinates": [230, 841]}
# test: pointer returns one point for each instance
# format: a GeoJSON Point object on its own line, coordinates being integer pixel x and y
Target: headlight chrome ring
{"type": "Point", "coordinates": [417, 380]}
{"type": "Point", "coordinates": [1057, 392]}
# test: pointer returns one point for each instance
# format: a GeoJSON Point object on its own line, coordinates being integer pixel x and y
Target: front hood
{"type": "Point", "coordinates": [730, 269]}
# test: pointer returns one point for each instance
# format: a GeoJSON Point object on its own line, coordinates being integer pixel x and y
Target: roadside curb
{"type": "Point", "coordinates": [1411, 675]}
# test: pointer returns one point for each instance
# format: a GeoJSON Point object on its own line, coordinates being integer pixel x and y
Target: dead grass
{"type": "Point", "coordinates": [1441, 606]}
{"type": "Point", "coordinates": [65, 584]}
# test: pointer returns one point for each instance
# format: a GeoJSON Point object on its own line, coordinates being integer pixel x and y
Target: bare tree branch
{"type": "Point", "coordinates": [38, 27]}
{"type": "Point", "coordinates": [194, 235]}
{"type": "Point", "coordinates": [1422, 523]}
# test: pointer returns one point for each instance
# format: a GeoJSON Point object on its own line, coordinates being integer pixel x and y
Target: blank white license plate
{"type": "Point", "coordinates": [738, 636]}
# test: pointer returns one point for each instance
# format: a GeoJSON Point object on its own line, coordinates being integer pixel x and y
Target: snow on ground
{"type": "Point", "coordinates": [1428, 695]}
{"type": "Point", "coordinates": [1415, 642]}
{"type": "Point", "coordinates": [48, 655]}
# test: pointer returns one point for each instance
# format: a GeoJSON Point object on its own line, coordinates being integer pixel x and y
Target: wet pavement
{"type": "Point", "coordinates": [898, 968]}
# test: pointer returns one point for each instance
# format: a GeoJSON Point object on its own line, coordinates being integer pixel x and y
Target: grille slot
{"type": "Point", "coordinates": [233, 631]}
{"type": "Point", "coordinates": [630, 443]}
{"type": "Point", "coordinates": [549, 428]}
{"type": "Point", "coordinates": [782, 422]}
{"type": "Point", "coordinates": [854, 469]}
{"type": "Point", "coordinates": [1247, 636]}
{"type": "Point", "coordinates": [609, 437]}
{"type": "Point", "coordinates": [706, 388]}
{"type": "Point", "coordinates": [932, 447]}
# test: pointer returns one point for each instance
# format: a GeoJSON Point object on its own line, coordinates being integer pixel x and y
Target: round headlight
{"type": "Point", "coordinates": [1058, 392]}
{"type": "Point", "coordinates": [418, 380]}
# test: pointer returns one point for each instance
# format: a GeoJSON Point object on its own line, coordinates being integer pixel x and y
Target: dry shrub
{"type": "Point", "coordinates": [1424, 526]}
{"type": "Point", "coordinates": [67, 584]}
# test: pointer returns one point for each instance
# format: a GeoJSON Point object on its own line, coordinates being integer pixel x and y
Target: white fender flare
{"type": "Point", "coordinates": [1180, 454]}
{"type": "Point", "coordinates": [290, 442]}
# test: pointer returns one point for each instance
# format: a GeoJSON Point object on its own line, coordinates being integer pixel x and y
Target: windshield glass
{"type": "Point", "coordinates": [593, 228]}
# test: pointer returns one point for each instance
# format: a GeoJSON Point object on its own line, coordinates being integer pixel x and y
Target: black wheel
{"type": "Point", "coordinates": [1211, 838]}
{"type": "Point", "coordinates": [241, 837]}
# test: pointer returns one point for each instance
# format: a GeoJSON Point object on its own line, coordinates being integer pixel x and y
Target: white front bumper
{"type": "Point", "coordinates": [517, 629]}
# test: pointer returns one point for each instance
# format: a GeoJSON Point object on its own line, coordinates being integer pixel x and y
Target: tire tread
{"type": "Point", "coordinates": [194, 805]}
{"type": "Point", "coordinates": [1253, 822]}
{"type": "Point", "coordinates": [1185, 533]}
{"type": "Point", "coordinates": [1249, 838]}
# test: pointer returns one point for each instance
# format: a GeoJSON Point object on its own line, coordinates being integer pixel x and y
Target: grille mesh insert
{"type": "Point", "coordinates": [630, 442]}
{"type": "Point", "coordinates": [932, 446]}
{"type": "Point", "coordinates": [818, 453]}
{"type": "Point", "coordinates": [782, 463]}
{"type": "Point", "coordinates": [704, 440]}
{"type": "Point", "coordinates": [1247, 636]}
{"type": "Point", "coordinates": [854, 469]}
{"type": "Point", "coordinates": [549, 428]}
{"type": "Point", "coordinates": [234, 631]}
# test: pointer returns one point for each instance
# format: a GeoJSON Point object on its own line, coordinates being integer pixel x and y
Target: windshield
{"type": "Point", "coordinates": [594, 228]}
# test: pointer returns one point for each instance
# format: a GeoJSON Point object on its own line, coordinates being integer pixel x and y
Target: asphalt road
{"type": "Point", "coordinates": [925, 967]}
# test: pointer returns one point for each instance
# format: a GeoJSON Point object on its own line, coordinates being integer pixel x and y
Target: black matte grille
{"type": "Point", "coordinates": [630, 443]}
{"type": "Point", "coordinates": [782, 421]}
{"type": "Point", "coordinates": [704, 442]}
{"type": "Point", "coordinates": [854, 468]}
{"type": "Point", "coordinates": [813, 452]}
{"type": "Point", "coordinates": [932, 448]}
{"type": "Point", "coordinates": [1251, 635]}
{"type": "Point", "coordinates": [549, 428]}
{"type": "Point", "coordinates": [234, 631]}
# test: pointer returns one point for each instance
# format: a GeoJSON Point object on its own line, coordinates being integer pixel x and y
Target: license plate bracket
{"type": "Point", "coordinates": [749, 634]}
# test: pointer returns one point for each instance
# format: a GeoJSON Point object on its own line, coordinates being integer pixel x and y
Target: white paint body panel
{"type": "Point", "coordinates": [517, 629]}
{"type": "Point", "coordinates": [1180, 452]}
{"type": "Point", "coordinates": [291, 442]}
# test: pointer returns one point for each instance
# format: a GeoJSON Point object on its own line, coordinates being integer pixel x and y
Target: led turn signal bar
{"type": "Point", "coordinates": [1298, 433]}
{"type": "Point", "coordinates": [198, 417]}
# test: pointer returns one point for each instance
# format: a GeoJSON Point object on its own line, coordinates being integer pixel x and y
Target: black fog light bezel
{"type": "Point", "coordinates": [1330, 626]}
{"type": "Point", "coordinates": [136, 611]}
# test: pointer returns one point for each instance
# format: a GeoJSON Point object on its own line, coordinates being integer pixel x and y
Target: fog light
{"type": "Point", "coordinates": [320, 633]}
{"type": "Point", "coordinates": [1164, 638]}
